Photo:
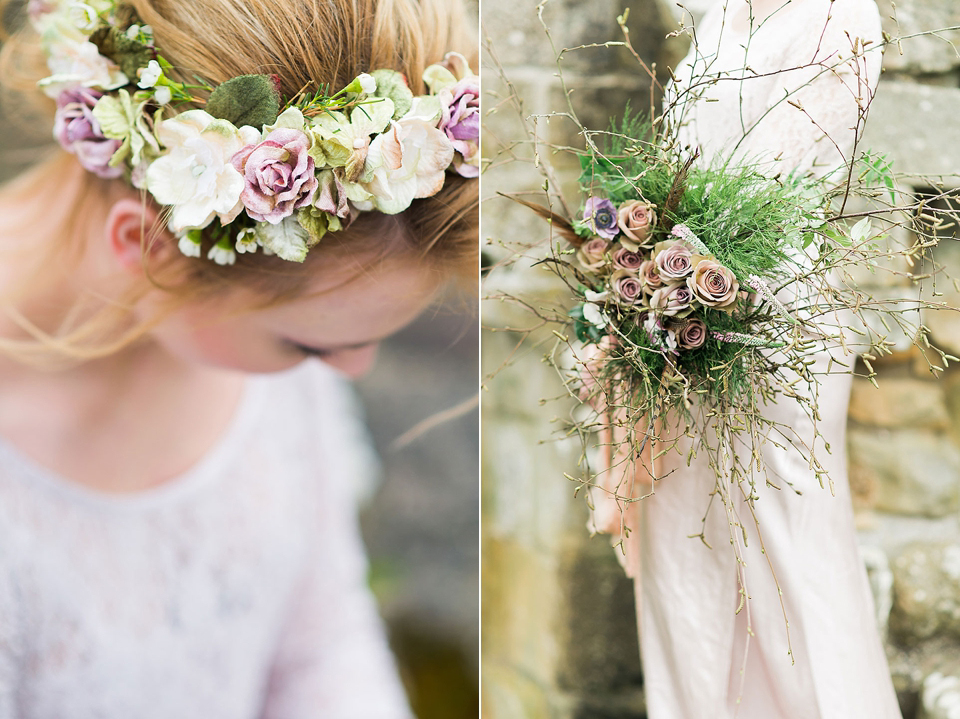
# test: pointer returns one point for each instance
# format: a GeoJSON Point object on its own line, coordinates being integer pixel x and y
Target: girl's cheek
{"type": "Point", "coordinates": [226, 350]}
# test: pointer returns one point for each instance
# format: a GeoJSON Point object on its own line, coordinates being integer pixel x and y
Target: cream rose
{"type": "Point", "coordinates": [636, 220]}
{"type": "Point", "coordinates": [650, 276]}
{"type": "Point", "coordinates": [592, 253]}
{"type": "Point", "coordinates": [714, 285]}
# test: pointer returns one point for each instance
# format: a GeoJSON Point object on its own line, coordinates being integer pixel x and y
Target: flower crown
{"type": "Point", "coordinates": [252, 168]}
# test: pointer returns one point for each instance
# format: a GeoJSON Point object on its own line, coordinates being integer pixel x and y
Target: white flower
{"type": "Point", "coordinates": [247, 240]}
{"type": "Point", "coordinates": [408, 161]}
{"type": "Point", "coordinates": [661, 338]}
{"type": "Point", "coordinates": [149, 75]}
{"type": "Point", "coordinates": [82, 16]}
{"type": "Point", "coordinates": [163, 95]}
{"type": "Point", "coordinates": [74, 63]}
{"type": "Point", "coordinates": [367, 83]}
{"type": "Point", "coordinates": [594, 315]}
{"type": "Point", "coordinates": [362, 84]}
{"type": "Point", "coordinates": [188, 246]}
{"type": "Point", "coordinates": [222, 255]}
{"type": "Point", "coordinates": [196, 177]}
{"type": "Point", "coordinates": [291, 119]}
{"type": "Point", "coordinates": [135, 32]}
{"type": "Point", "coordinates": [596, 296]}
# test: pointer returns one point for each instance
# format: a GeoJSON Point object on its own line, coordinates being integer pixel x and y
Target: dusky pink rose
{"type": "Point", "coordinates": [674, 259]}
{"type": "Point", "coordinates": [592, 253]}
{"type": "Point", "coordinates": [636, 220]}
{"type": "Point", "coordinates": [714, 285]}
{"type": "Point", "coordinates": [625, 259]}
{"type": "Point", "coordinates": [627, 287]}
{"type": "Point", "coordinates": [649, 275]}
{"type": "Point", "coordinates": [278, 175]}
{"type": "Point", "coordinates": [692, 334]}
{"type": "Point", "coordinates": [672, 300]}
{"type": "Point", "coordinates": [460, 122]}
{"type": "Point", "coordinates": [79, 133]}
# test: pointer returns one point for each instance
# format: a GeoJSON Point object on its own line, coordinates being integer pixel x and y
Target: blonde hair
{"type": "Point", "coordinates": [302, 43]}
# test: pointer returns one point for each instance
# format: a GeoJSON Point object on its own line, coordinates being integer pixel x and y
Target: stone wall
{"type": "Point", "coordinates": [559, 636]}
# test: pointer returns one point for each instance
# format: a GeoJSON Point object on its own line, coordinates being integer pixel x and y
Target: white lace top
{"type": "Point", "coordinates": [236, 591]}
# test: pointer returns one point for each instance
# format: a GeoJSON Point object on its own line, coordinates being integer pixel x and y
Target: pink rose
{"type": "Point", "coordinates": [636, 219]}
{"type": "Point", "coordinates": [627, 287]}
{"type": "Point", "coordinates": [692, 334]}
{"type": "Point", "coordinates": [650, 276]}
{"type": "Point", "coordinates": [79, 133]}
{"type": "Point", "coordinates": [626, 259]}
{"type": "Point", "coordinates": [278, 175]}
{"type": "Point", "coordinates": [461, 123]}
{"type": "Point", "coordinates": [714, 285]}
{"type": "Point", "coordinates": [592, 254]}
{"type": "Point", "coordinates": [673, 300]}
{"type": "Point", "coordinates": [674, 259]}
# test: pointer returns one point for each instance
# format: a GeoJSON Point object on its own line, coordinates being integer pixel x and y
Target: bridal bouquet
{"type": "Point", "coordinates": [677, 271]}
{"type": "Point", "coordinates": [703, 292]}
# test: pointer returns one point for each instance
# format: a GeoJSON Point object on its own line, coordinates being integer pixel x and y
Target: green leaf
{"type": "Point", "coordinates": [584, 331]}
{"type": "Point", "coordinates": [288, 239]}
{"type": "Point", "coordinates": [129, 55]}
{"type": "Point", "coordinates": [392, 85]}
{"type": "Point", "coordinates": [246, 100]}
{"type": "Point", "coordinates": [318, 223]}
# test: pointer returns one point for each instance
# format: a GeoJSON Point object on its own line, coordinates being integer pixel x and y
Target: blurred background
{"type": "Point", "coordinates": [422, 526]}
{"type": "Point", "coordinates": [558, 624]}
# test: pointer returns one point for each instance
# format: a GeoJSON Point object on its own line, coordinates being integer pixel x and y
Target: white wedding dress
{"type": "Point", "coordinates": [236, 591]}
{"type": "Point", "coordinates": [700, 657]}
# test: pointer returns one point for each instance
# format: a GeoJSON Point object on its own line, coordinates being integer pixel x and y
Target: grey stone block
{"type": "Point", "coordinates": [926, 592]}
{"type": "Point", "coordinates": [926, 53]}
{"type": "Point", "coordinates": [899, 402]}
{"type": "Point", "coordinates": [915, 472]}
{"type": "Point", "coordinates": [914, 124]}
{"type": "Point", "coordinates": [601, 654]}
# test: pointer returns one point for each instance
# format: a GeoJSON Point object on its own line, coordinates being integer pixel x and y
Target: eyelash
{"type": "Point", "coordinates": [310, 351]}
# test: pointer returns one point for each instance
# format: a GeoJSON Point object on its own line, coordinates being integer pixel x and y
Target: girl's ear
{"type": "Point", "coordinates": [130, 225]}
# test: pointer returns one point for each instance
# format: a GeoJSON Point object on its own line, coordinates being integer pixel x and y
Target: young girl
{"type": "Point", "coordinates": [178, 538]}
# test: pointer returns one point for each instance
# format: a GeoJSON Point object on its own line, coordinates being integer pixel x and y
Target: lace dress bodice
{"type": "Point", "coordinates": [236, 591]}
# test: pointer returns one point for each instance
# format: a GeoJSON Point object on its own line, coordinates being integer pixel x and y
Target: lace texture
{"type": "Point", "coordinates": [235, 591]}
